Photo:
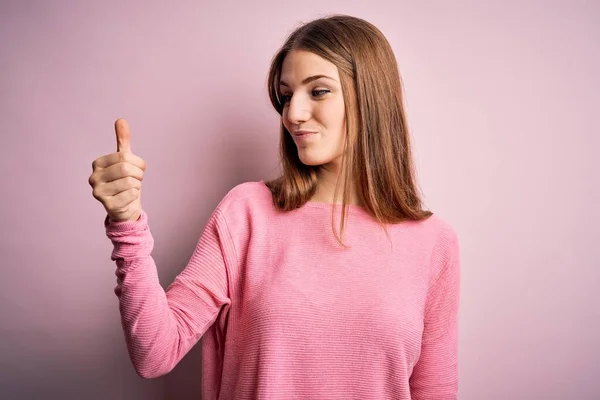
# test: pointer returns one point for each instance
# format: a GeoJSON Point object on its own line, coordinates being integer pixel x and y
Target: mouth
{"type": "Point", "coordinates": [301, 134]}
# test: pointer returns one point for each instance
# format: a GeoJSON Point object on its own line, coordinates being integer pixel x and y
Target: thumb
{"type": "Point", "coordinates": [123, 135]}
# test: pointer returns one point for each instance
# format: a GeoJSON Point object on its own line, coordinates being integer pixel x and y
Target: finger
{"type": "Point", "coordinates": [121, 170]}
{"type": "Point", "coordinates": [116, 187]}
{"type": "Point", "coordinates": [123, 136]}
{"type": "Point", "coordinates": [114, 158]}
{"type": "Point", "coordinates": [122, 200]}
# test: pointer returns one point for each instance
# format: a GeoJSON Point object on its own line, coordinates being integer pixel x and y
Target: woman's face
{"type": "Point", "coordinates": [313, 111]}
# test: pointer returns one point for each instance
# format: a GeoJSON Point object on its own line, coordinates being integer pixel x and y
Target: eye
{"type": "Point", "coordinates": [319, 93]}
{"type": "Point", "coordinates": [284, 98]}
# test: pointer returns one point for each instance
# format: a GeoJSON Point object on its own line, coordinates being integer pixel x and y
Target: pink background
{"type": "Point", "coordinates": [502, 101]}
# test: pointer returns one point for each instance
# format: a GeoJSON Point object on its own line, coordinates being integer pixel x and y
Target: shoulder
{"type": "Point", "coordinates": [437, 238]}
{"type": "Point", "coordinates": [435, 231]}
{"type": "Point", "coordinates": [445, 254]}
{"type": "Point", "coordinates": [445, 234]}
{"type": "Point", "coordinates": [243, 195]}
{"type": "Point", "coordinates": [244, 204]}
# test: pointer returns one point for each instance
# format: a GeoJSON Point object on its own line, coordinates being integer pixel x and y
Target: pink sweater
{"type": "Point", "coordinates": [286, 313]}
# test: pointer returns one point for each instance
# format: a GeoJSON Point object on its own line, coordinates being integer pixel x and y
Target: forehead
{"type": "Point", "coordinates": [300, 64]}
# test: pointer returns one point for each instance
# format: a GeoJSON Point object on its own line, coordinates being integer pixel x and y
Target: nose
{"type": "Point", "coordinates": [298, 110]}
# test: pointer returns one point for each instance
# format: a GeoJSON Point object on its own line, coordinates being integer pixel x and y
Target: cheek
{"type": "Point", "coordinates": [331, 115]}
{"type": "Point", "coordinates": [336, 120]}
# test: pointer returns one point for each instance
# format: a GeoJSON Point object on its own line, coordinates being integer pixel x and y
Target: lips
{"type": "Point", "coordinates": [302, 133]}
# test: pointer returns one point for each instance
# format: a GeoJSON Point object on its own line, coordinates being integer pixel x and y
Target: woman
{"type": "Point", "coordinates": [287, 305]}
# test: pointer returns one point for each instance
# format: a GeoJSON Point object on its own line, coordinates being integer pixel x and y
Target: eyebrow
{"type": "Point", "coordinates": [308, 80]}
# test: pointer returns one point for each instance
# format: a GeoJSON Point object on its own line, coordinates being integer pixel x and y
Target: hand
{"type": "Point", "coordinates": [116, 179]}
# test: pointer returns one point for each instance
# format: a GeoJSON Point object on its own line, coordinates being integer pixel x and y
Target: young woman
{"type": "Point", "coordinates": [330, 282]}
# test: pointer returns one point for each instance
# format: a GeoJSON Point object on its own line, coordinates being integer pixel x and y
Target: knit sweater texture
{"type": "Point", "coordinates": [285, 312]}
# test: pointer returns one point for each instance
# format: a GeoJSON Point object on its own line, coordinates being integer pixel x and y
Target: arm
{"type": "Point", "coordinates": [435, 375]}
{"type": "Point", "coordinates": [162, 326]}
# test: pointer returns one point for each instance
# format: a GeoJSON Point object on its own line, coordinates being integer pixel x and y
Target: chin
{"type": "Point", "coordinates": [313, 160]}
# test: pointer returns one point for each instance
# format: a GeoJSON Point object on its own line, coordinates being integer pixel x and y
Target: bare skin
{"type": "Point", "coordinates": [313, 102]}
{"type": "Point", "coordinates": [116, 178]}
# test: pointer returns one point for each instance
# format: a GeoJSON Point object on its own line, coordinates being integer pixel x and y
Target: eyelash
{"type": "Point", "coordinates": [285, 98]}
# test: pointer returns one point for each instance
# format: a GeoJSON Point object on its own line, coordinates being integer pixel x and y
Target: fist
{"type": "Point", "coordinates": [116, 178]}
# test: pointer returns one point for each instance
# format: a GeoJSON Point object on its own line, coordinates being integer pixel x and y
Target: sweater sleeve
{"type": "Point", "coordinates": [162, 326]}
{"type": "Point", "coordinates": [435, 375]}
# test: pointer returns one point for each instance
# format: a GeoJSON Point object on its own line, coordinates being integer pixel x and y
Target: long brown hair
{"type": "Point", "coordinates": [377, 157]}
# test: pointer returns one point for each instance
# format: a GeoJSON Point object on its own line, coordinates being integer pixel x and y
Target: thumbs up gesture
{"type": "Point", "coordinates": [116, 178]}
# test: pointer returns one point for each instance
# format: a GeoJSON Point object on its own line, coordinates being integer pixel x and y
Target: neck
{"type": "Point", "coordinates": [327, 179]}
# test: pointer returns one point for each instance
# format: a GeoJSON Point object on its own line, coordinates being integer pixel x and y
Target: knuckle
{"type": "Point", "coordinates": [111, 204]}
{"type": "Point", "coordinates": [123, 168]}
